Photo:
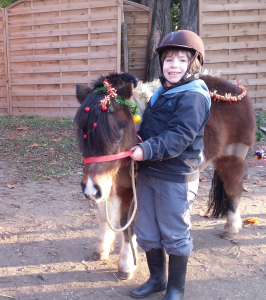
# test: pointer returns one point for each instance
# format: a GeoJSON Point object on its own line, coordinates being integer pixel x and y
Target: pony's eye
{"type": "Point", "coordinates": [121, 131]}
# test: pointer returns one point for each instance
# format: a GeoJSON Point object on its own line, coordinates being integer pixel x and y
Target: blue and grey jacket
{"type": "Point", "coordinates": [172, 131]}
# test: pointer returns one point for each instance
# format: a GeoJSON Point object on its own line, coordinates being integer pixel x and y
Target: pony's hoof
{"type": "Point", "coordinates": [100, 256]}
{"type": "Point", "coordinates": [229, 235]}
{"type": "Point", "coordinates": [124, 275]}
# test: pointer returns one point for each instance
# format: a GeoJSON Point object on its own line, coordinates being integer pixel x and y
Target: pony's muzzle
{"type": "Point", "coordinates": [91, 194]}
{"type": "Point", "coordinates": [97, 194]}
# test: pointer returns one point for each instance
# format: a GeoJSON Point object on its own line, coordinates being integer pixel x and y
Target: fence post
{"type": "Point", "coordinates": [125, 45]}
{"type": "Point", "coordinates": [6, 56]}
{"type": "Point", "coordinates": [119, 23]}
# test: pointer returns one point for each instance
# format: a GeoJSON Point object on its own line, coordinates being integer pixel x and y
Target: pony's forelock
{"type": "Point", "coordinates": [124, 83]}
{"type": "Point", "coordinates": [102, 139]}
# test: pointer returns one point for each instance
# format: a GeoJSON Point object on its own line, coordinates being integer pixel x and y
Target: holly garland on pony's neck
{"type": "Point", "coordinates": [112, 94]}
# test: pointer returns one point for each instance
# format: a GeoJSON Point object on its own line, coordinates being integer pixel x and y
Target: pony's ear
{"type": "Point", "coordinates": [126, 85]}
{"type": "Point", "coordinates": [123, 82]}
{"type": "Point", "coordinates": [82, 92]}
{"type": "Point", "coordinates": [125, 90]}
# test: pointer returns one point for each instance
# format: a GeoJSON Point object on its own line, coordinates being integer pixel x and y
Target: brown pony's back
{"type": "Point", "coordinates": [228, 123]}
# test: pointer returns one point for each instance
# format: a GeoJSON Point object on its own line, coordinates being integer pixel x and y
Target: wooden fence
{"type": "Point", "coordinates": [138, 18]}
{"type": "Point", "coordinates": [4, 104]}
{"type": "Point", "coordinates": [52, 45]}
{"type": "Point", "coordinates": [234, 34]}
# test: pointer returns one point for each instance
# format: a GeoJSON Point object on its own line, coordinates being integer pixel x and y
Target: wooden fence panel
{"type": "Point", "coordinates": [54, 45]}
{"type": "Point", "coordinates": [4, 103]}
{"type": "Point", "coordinates": [139, 19]}
{"type": "Point", "coordinates": [234, 34]}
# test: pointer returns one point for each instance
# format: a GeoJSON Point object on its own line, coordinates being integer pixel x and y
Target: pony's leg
{"type": "Point", "coordinates": [230, 168]}
{"type": "Point", "coordinates": [126, 266]}
{"type": "Point", "coordinates": [106, 236]}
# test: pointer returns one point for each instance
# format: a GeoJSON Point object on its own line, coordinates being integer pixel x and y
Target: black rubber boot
{"type": "Point", "coordinates": [157, 281]}
{"type": "Point", "coordinates": [176, 277]}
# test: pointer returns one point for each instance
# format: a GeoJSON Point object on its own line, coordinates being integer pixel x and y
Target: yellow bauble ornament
{"type": "Point", "coordinates": [136, 118]}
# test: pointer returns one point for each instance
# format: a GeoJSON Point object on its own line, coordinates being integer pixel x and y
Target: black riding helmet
{"type": "Point", "coordinates": [183, 39]}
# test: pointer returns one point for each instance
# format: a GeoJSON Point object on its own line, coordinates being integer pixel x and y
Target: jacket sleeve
{"type": "Point", "coordinates": [190, 113]}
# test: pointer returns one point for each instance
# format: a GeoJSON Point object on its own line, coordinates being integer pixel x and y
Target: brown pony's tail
{"type": "Point", "coordinates": [218, 199]}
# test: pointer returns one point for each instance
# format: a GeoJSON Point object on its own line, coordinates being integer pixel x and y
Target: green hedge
{"type": "Point", "coordinates": [5, 3]}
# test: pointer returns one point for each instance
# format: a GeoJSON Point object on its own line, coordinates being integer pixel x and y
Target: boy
{"type": "Point", "coordinates": [168, 176]}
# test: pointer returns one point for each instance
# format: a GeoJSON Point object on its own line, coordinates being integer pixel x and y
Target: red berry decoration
{"type": "Point", "coordinates": [104, 108]}
{"type": "Point", "coordinates": [94, 124]}
{"type": "Point", "coordinates": [87, 109]}
{"type": "Point", "coordinates": [85, 136]}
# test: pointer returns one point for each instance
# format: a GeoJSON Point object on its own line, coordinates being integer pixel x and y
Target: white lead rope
{"type": "Point", "coordinates": [134, 200]}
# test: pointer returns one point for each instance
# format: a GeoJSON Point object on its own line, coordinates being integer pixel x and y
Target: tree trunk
{"type": "Point", "coordinates": [189, 15]}
{"type": "Point", "coordinates": [161, 26]}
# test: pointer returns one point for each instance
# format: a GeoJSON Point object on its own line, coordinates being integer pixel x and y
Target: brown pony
{"type": "Point", "coordinates": [228, 135]}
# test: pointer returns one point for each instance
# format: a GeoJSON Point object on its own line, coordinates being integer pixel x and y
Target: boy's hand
{"type": "Point", "coordinates": [137, 154]}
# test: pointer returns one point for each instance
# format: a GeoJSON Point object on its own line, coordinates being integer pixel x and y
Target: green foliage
{"type": "Point", "coordinates": [102, 89]}
{"type": "Point", "coordinates": [5, 3]}
{"type": "Point", "coordinates": [175, 11]}
{"type": "Point", "coordinates": [118, 99]}
{"type": "Point", "coordinates": [137, 1]}
{"type": "Point", "coordinates": [260, 117]}
{"type": "Point", "coordinates": [133, 106]}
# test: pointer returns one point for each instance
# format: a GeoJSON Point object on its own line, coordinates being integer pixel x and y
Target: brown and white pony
{"type": "Point", "coordinates": [228, 135]}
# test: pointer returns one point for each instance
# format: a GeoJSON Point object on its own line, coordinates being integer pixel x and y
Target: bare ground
{"type": "Point", "coordinates": [47, 232]}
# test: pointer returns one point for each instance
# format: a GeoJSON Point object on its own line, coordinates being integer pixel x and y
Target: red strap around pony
{"type": "Point", "coordinates": [111, 157]}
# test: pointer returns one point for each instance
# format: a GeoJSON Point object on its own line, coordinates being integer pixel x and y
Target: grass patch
{"type": "Point", "coordinates": [40, 147]}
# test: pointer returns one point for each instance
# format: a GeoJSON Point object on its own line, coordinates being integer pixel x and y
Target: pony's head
{"type": "Point", "coordinates": [104, 132]}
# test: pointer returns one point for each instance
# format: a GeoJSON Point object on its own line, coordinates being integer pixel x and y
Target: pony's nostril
{"type": "Point", "coordinates": [83, 187]}
{"type": "Point", "coordinates": [97, 193]}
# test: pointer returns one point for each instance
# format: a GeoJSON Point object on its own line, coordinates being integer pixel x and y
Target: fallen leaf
{"type": "Point", "coordinates": [57, 140]}
{"type": "Point", "coordinates": [11, 186]}
{"type": "Point", "coordinates": [246, 189]}
{"type": "Point", "coordinates": [203, 179]}
{"type": "Point", "coordinates": [205, 214]}
{"type": "Point", "coordinates": [35, 145]}
{"type": "Point", "coordinates": [251, 221]}
{"type": "Point", "coordinates": [23, 128]}
{"type": "Point", "coordinates": [41, 277]}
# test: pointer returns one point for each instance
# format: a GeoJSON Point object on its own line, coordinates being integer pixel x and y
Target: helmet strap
{"type": "Point", "coordinates": [192, 62]}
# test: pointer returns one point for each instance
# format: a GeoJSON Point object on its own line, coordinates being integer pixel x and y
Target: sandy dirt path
{"type": "Point", "coordinates": [47, 232]}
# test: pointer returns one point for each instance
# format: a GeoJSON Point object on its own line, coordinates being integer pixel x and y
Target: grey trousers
{"type": "Point", "coordinates": [163, 216]}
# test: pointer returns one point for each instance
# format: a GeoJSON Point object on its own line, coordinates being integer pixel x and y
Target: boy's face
{"type": "Point", "coordinates": [174, 67]}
